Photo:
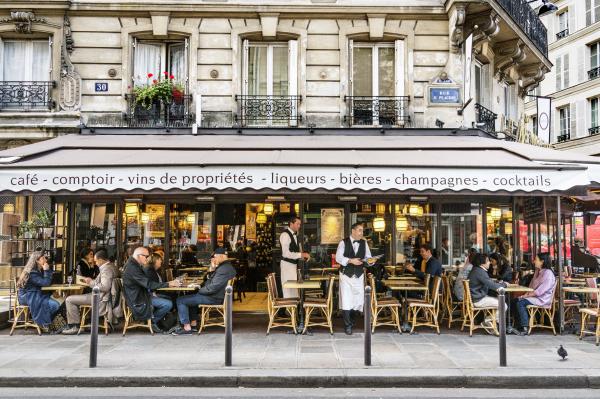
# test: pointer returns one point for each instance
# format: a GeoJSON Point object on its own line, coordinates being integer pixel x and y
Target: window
{"type": "Point", "coordinates": [510, 102]}
{"type": "Point", "coordinates": [534, 124]}
{"type": "Point", "coordinates": [594, 60]}
{"type": "Point", "coordinates": [151, 57]}
{"type": "Point", "coordinates": [563, 25]}
{"type": "Point", "coordinates": [377, 83]}
{"type": "Point", "coordinates": [564, 123]}
{"type": "Point", "coordinates": [482, 84]}
{"type": "Point", "coordinates": [562, 72]}
{"type": "Point", "coordinates": [594, 116]}
{"type": "Point", "coordinates": [592, 11]}
{"type": "Point", "coordinates": [26, 60]}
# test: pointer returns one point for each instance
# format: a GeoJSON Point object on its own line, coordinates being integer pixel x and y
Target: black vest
{"type": "Point", "coordinates": [351, 270]}
{"type": "Point", "coordinates": [294, 247]}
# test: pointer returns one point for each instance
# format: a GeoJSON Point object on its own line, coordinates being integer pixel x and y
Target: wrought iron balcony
{"type": "Point", "coordinates": [594, 130]}
{"type": "Point", "coordinates": [377, 111]}
{"type": "Point", "coordinates": [562, 34]}
{"type": "Point", "coordinates": [594, 73]}
{"type": "Point", "coordinates": [564, 137]}
{"type": "Point", "coordinates": [529, 22]}
{"type": "Point", "coordinates": [161, 114]}
{"type": "Point", "coordinates": [26, 95]}
{"type": "Point", "coordinates": [268, 110]}
{"type": "Point", "coordinates": [485, 118]}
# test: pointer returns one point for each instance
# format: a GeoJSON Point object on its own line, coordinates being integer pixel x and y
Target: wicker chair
{"type": "Point", "coordinates": [430, 308]}
{"type": "Point", "coordinates": [22, 311]}
{"type": "Point", "coordinates": [544, 312]}
{"type": "Point", "coordinates": [217, 311]}
{"type": "Point", "coordinates": [588, 312]}
{"type": "Point", "coordinates": [380, 305]}
{"type": "Point", "coordinates": [470, 311]}
{"type": "Point", "coordinates": [128, 314]}
{"type": "Point", "coordinates": [450, 305]}
{"type": "Point", "coordinates": [275, 304]}
{"type": "Point", "coordinates": [324, 305]}
{"type": "Point", "coordinates": [86, 310]}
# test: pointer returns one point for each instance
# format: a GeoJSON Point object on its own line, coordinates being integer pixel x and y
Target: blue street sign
{"type": "Point", "coordinates": [443, 95]}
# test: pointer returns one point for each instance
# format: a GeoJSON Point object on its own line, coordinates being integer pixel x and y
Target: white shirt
{"type": "Point", "coordinates": [339, 254]}
{"type": "Point", "coordinates": [284, 240]}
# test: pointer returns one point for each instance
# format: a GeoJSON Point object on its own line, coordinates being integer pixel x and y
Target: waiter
{"type": "Point", "coordinates": [291, 253]}
{"type": "Point", "coordinates": [351, 253]}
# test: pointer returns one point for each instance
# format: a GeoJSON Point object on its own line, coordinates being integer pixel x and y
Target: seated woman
{"type": "Point", "coordinates": [35, 275]}
{"type": "Point", "coordinates": [86, 266]}
{"type": "Point", "coordinates": [500, 268]}
{"type": "Point", "coordinates": [543, 284]}
{"type": "Point", "coordinates": [463, 274]}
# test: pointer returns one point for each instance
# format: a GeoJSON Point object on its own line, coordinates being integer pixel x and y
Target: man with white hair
{"type": "Point", "coordinates": [137, 288]}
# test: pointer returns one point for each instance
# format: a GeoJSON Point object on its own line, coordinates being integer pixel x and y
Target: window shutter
{"type": "Point", "coordinates": [351, 67]}
{"type": "Point", "coordinates": [572, 18]}
{"type": "Point", "coordinates": [597, 11]}
{"type": "Point", "coordinates": [293, 78]}
{"type": "Point", "coordinates": [588, 12]}
{"type": "Point", "coordinates": [132, 61]}
{"type": "Point", "coordinates": [566, 71]}
{"type": "Point", "coordinates": [558, 73]}
{"type": "Point", "coordinates": [581, 64]}
{"type": "Point", "coordinates": [245, 63]}
{"type": "Point", "coordinates": [186, 67]}
{"type": "Point", "coordinates": [573, 120]}
{"type": "Point", "coordinates": [2, 59]}
{"type": "Point", "coordinates": [50, 44]}
{"type": "Point", "coordinates": [486, 95]}
{"type": "Point", "coordinates": [399, 67]}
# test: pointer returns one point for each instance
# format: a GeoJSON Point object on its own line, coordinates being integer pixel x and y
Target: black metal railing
{"type": "Point", "coordinates": [175, 113]}
{"type": "Point", "coordinates": [268, 110]}
{"type": "Point", "coordinates": [26, 95]}
{"type": "Point", "coordinates": [594, 73]}
{"type": "Point", "coordinates": [562, 34]}
{"type": "Point", "coordinates": [529, 22]}
{"type": "Point", "coordinates": [486, 119]}
{"type": "Point", "coordinates": [563, 137]}
{"type": "Point", "coordinates": [594, 130]}
{"type": "Point", "coordinates": [377, 111]}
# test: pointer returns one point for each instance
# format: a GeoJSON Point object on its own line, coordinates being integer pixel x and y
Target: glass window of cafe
{"type": "Point", "coordinates": [144, 225]}
{"type": "Point", "coordinates": [415, 225]}
{"type": "Point", "coordinates": [190, 241]}
{"type": "Point", "coordinates": [96, 227]}
{"type": "Point", "coordinates": [499, 229]}
{"type": "Point", "coordinates": [462, 230]}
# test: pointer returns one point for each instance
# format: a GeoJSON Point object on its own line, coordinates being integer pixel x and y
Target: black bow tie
{"type": "Point", "coordinates": [356, 242]}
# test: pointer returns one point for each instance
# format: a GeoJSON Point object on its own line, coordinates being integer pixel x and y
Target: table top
{"type": "Point", "coordinates": [404, 285]}
{"type": "Point", "coordinates": [323, 278]}
{"type": "Point", "coordinates": [582, 290]}
{"type": "Point", "coordinates": [64, 287]}
{"type": "Point", "coordinates": [517, 288]}
{"type": "Point", "coordinates": [588, 275]}
{"type": "Point", "coordinates": [324, 269]}
{"type": "Point", "coordinates": [193, 269]}
{"type": "Point", "coordinates": [177, 289]}
{"type": "Point", "coordinates": [575, 283]}
{"type": "Point", "coordinates": [405, 278]}
{"type": "Point", "coordinates": [301, 284]}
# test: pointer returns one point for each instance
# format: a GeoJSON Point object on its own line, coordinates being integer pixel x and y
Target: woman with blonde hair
{"type": "Point", "coordinates": [35, 275]}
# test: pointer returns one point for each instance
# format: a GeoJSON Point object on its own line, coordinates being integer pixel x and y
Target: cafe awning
{"type": "Point", "coordinates": [125, 163]}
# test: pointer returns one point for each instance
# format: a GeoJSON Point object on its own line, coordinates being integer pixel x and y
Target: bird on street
{"type": "Point", "coordinates": [562, 352]}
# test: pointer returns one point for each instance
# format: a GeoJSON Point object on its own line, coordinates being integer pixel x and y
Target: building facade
{"type": "Point", "coordinates": [573, 84]}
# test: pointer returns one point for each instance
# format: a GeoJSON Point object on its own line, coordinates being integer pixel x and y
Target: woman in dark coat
{"type": "Point", "coordinates": [35, 275]}
{"type": "Point", "coordinates": [86, 266]}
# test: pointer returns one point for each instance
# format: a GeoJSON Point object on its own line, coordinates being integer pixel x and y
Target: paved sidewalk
{"type": "Point", "coordinates": [425, 359]}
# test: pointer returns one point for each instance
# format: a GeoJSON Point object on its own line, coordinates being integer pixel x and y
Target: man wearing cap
{"type": "Point", "coordinates": [211, 293]}
{"type": "Point", "coordinates": [291, 253]}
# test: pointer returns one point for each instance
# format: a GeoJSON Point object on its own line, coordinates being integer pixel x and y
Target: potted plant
{"type": "Point", "coordinates": [44, 220]}
{"type": "Point", "coordinates": [163, 90]}
{"type": "Point", "coordinates": [25, 229]}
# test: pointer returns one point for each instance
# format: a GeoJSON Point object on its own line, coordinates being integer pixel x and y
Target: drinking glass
{"type": "Point", "coordinates": [70, 280]}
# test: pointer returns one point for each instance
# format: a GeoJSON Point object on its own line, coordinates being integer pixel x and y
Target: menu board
{"type": "Point", "coordinates": [534, 210]}
{"type": "Point", "coordinates": [332, 225]}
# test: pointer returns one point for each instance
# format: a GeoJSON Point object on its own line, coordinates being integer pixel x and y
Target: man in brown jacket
{"type": "Point", "coordinates": [103, 282]}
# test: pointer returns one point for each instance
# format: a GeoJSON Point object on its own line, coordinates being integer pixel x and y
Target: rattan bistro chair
{"type": "Point", "coordinates": [382, 306]}
{"type": "Point", "coordinates": [590, 311]}
{"type": "Point", "coordinates": [128, 314]}
{"type": "Point", "coordinates": [324, 305]}
{"type": "Point", "coordinates": [214, 315]}
{"type": "Point", "coordinates": [21, 315]}
{"type": "Point", "coordinates": [86, 310]}
{"type": "Point", "coordinates": [275, 304]}
{"type": "Point", "coordinates": [430, 308]}
{"type": "Point", "coordinates": [471, 312]}
{"type": "Point", "coordinates": [544, 313]}
{"type": "Point", "coordinates": [450, 305]}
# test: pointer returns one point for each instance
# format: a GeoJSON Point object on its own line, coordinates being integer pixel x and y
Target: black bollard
{"type": "Point", "coordinates": [228, 323]}
{"type": "Point", "coordinates": [94, 327]}
{"type": "Point", "coordinates": [502, 322]}
{"type": "Point", "coordinates": [367, 312]}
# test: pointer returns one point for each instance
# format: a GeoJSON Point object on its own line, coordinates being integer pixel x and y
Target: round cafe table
{"type": "Point", "coordinates": [65, 289]}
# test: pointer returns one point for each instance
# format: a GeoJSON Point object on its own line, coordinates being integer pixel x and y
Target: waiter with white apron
{"type": "Point", "coordinates": [351, 254]}
{"type": "Point", "coordinates": [291, 253]}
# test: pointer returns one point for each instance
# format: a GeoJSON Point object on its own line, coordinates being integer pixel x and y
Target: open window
{"type": "Point", "coordinates": [157, 57]}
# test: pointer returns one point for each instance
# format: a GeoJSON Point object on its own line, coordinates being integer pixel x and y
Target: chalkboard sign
{"type": "Point", "coordinates": [534, 210]}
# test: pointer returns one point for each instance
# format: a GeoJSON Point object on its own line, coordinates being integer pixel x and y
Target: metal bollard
{"type": "Point", "coordinates": [502, 322]}
{"type": "Point", "coordinates": [94, 327]}
{"type": "Point", "coordinates": [228, 323]}
{"type": "Point", "coordinates": [367, 312]}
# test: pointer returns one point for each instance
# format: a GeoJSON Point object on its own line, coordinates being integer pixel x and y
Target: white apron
{"type": "Point", "coordinates": [352, 292]}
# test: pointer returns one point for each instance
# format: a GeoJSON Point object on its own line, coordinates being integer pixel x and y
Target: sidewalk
{"type": "Point", "coordinates": [451, 359]}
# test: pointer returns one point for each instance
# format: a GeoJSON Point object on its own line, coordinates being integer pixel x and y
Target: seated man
{"type": "Point", "coordinates": [211, 293]}
{"type": "Point", "coordinates": [429, 265]}
{"type": "Point", "coordinates": [480, 283]}
{"type": "Point", "coordinates": [137, 288]}
{"type": "Point", "coordinates": [103, 281]}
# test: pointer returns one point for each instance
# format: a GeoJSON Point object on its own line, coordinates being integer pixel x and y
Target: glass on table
{"type": "Point", "coordinates": [70, 280]}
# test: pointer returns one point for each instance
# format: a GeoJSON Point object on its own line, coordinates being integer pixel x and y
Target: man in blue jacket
{"type": "Point", "coordinates": [429, 265]}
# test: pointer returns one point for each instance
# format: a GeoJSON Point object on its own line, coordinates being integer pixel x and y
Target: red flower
{"type": "Point", "coordinates": [129, 87]}
{"type": "Point", "coordinates": [154, 81]}
{"type": "Point", "coordinates": [150, 75]}
{"type": "Point", "coordinates": [165, 73]}
{"type": "Point", "coordinates": [171, 77]}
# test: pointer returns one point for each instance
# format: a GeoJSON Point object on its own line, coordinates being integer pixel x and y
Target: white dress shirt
{"type": "Point", "coordinates": [339, 255]}
{"type": "Point", "coordinates": [284, 240]}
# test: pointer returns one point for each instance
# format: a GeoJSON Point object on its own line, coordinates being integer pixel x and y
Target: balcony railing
{"type": "Point", "coordinates": [268, 110]}
{"type": "Point", "coordinates": [26, 95]}
{"type": "Point", "coordinates": [562, 34]}
{"type": "Point", "coordinates": [529, 22]}
{"type": "Point", "coordinates": [594, 130]}
{"type": "Point", "coordinates": [564, 137]}
{"type": "Point", "coordinates": [594, 73]}
{"type": "Point", "coordinates": [486, 119]}
{"type": "Point", "coordinates": [161, 114]}
{"type": "Point", "coordinates": [378, 111]}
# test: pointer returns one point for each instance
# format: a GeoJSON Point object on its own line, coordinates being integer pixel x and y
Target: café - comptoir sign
{"type": "Point", "coordinates": [287, 178]}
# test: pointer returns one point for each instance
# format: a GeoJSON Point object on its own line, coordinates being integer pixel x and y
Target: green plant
{"type": "Point", "coordinates": [44, 218]}
{"type": "Point", "coordinates": [24, 228]}
{"type": "Point", "coordinates": [164, 89]}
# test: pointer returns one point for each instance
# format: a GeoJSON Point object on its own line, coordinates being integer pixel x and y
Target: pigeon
{"type": "Point", "coordinates": [562, 352]}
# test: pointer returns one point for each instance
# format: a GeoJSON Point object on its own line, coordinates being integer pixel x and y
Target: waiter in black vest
{"type": "Point", "coordinates": [352, 253]}
{"type": "Point", "coordinates": [291, 253]}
